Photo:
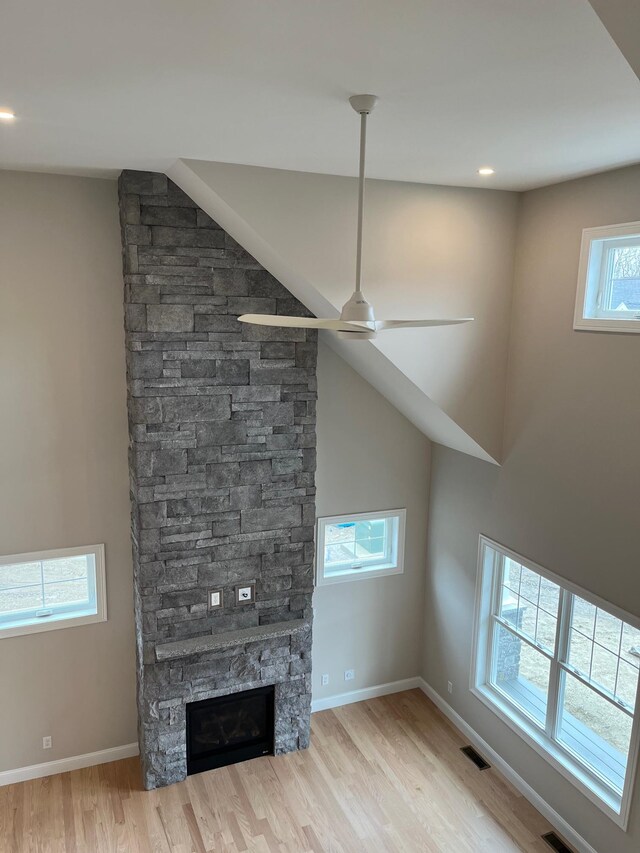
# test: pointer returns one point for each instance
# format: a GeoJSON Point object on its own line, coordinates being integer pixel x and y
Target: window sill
{"type": "Point", "coordinates": [609, 801]}
{"type": "Point", "coordinates": [359, 574]}
{"type": "Point", "coordinates": [601, 324]}
{"type": "Point", "coordinates": [50, 623]}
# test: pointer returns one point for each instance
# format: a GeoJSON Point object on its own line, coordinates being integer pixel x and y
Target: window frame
{"type": "Point", "coordinates": [615, 806]}
{"type": "Point", "coordinates": [587, 316]}
{"type": "Point", "coordinates": [393, 566]}
{"type": "Point", "coordinates": [62, 616]}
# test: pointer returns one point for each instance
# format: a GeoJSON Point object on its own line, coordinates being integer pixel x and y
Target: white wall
{"type": "Point", "coordinates": [63, 466]}
{"type": "Point", "coordinates": [369, 457]}
{"type": "Point", "coordinates": [63, 457]}
{"type": "Point", "coordinates": [568, 493]}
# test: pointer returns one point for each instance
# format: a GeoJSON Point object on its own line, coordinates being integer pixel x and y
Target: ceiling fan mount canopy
{"type": "Point", "coordinates": [363, 103]}
{"type": "Point", "coordinates": [357, 320]}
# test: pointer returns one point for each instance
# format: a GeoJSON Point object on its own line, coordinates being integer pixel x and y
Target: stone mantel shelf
{"type": "Point", "coordinates": [212, 642]}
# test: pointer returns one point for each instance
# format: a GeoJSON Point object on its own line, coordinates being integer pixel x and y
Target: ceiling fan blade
{"type": "Point", "coordinates": [408, 324]}
{"type": "Point", "coordinates": [283, 320]}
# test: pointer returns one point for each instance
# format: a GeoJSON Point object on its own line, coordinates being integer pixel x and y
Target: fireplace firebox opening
{"type": "Point", "coordinates": [229, 729]}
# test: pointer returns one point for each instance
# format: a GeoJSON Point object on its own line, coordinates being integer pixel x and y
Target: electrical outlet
{"type": "Point", "coordinates": [245, 593]}
{"type": "Point", "coordinates": [450, 686]}
{"type": "Point", "coordinates": [46, 742]}
{"type": "Point", "coordinates": [324, 679]}
{"type": "Point", "coordinates": [349, 674]}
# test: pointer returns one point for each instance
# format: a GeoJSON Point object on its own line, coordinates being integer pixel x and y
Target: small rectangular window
{"type": "Point", "coordinates": [608, 297]}
{"type": "Point", "coordinates": [560, 667]}
{"type": "Point", "coordinates": [51, 589]}
{"type": "Point", "coordinates": [363, 545]}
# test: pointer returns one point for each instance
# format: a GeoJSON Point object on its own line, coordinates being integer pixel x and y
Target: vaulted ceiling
{"type": "Point", "coordinates": [622, 20]}
{"type": "Point", "coordinates": [535, 88]}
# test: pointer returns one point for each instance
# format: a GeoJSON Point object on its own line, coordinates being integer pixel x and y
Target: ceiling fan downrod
{"type": "Point", "coordinates": [357, 308]}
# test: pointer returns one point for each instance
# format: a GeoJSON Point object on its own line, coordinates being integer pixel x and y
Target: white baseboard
{"type": "Point", "coordinates": [558, 822]}
{"type": "Point", "coordinates": [76, 762]}
{"type": "Point", "coordinates": [365, 693]}
{"type": "Point", "coordinates": [63, 765]}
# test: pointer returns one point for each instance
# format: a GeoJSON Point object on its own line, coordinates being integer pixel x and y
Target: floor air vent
{"type": "Point", "coordinates": [474, 756]}
{"type": "Point", "coordinates": [556, 843]}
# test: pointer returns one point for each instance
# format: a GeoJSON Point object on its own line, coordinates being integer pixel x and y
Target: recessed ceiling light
{"type": "Point", "coordinates": [486, 170]}
{"type": "Point", "coordinates": [7, 115]}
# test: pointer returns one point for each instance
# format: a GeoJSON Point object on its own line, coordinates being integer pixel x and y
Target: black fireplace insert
{"type": "Point", "coordinates": [229, 729]}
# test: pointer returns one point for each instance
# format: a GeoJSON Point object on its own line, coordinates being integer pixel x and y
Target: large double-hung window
{"type": "Point", "coordinates": [560, 666]}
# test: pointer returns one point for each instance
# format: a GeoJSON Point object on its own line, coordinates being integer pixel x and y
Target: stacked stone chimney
{"type": "Point", "coordinates": [222, 457]}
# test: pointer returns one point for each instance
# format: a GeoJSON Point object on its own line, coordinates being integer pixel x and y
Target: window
{"type": "Point", "coordinates": [560, 667]}
{"type": "Point", "coordinates": [369, 544]}
{"type": "Point", "coordinates": [609, 279]}
{"type": "Point", "coordinates": [51, 589]}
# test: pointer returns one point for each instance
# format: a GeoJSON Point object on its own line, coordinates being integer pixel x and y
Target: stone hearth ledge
{"type": "Point", "coordinates": [227, 639]}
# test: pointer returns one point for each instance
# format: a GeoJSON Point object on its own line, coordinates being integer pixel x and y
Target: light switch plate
{"type": "Point", "coordinates": [245, 593]}
{"type": "Point", "coordinates": [215, 599]}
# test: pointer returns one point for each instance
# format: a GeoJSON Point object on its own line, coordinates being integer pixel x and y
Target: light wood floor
{"type": "Point", "coordinates": [382, 775]}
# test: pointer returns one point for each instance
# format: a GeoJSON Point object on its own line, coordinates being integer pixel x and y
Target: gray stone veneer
{"type": "Point", "coordinates": [222, 458]}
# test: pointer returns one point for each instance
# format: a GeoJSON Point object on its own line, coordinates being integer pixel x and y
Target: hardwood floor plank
{"type": "Point", "coordinates": [68, 814]}
{"type": "Point", "coordinates": [381, 776]}
{"type": "Point", "coordinates": [236, 832]}
{"type": "Point", "coordinates": [194, 829]}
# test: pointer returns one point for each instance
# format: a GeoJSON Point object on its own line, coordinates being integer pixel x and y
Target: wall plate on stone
{"type": "Point", "coordinates": [214, 597]}
{"type": "Point", "coordinates": [245, 593]}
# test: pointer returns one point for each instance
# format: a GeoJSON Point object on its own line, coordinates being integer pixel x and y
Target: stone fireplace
{"type": "Point", "coordinates": [222, 459]}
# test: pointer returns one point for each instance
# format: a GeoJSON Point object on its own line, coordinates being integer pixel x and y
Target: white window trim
{"type": "Point", "coordinates": [617, 809]}
{"type": "Point", "coordinates": [609, 323]}
{"type": "Point", "coordinates": [396, 568]}
{"type": "Point", "coordinates": [61, 620]}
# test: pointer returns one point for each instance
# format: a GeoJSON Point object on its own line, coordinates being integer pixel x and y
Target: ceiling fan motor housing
{"type": "Point", "coordinates": [358, 309]}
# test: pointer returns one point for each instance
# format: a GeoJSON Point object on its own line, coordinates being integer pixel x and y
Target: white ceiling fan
{"type": "Point", "coordinates": [357, 320]}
